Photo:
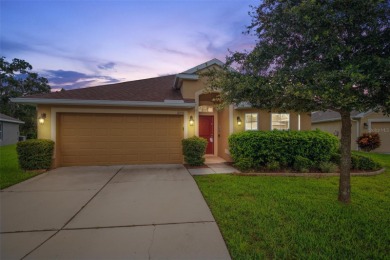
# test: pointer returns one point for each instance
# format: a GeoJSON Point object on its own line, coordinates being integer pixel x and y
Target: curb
{"type": "Point", "coordinates": [314, 174]}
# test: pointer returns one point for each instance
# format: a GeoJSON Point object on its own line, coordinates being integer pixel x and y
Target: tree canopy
{"type": "Point", "coordinates": [17, 80]}
{"type": "Point", "coordinates": [314, 55]}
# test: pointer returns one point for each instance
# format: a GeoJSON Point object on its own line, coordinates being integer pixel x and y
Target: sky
{"type": "Point", "coordinates": [84, 43]}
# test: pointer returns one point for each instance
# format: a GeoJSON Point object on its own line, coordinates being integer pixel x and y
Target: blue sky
{"type": "Point", "coordinates": [87, 42]}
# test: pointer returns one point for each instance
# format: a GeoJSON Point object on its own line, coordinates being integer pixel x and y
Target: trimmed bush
{"type": "Point", "coordinates": [328, 167]}
{"type": "Point", "coordinates": [255, 149]}
{"type": "Point", "coordinates": [335, 158]}
{"type": "Point", "coordinates": [35, 154]}
{"type": "Point", "coordinates": [302, 164]}
{"type": "Point", "coordinates": [359, 162]}
{"type": "Point", "coordinates": [368, 141]}
{"type": "Point", "coordinates": [273, 166]}
{"type": "Point", "coordinates": [194, 149]}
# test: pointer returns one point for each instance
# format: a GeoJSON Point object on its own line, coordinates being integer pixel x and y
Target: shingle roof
{"type": "Point", "coordinates": [328, 115]}
{"type": "Point", "coordinates": [153, 89]}
{"type": "Point", "coordinates": [10, 119]}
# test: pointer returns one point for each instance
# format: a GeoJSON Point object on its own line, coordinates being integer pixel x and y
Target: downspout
{"type": "Point", "coordinates": [357, 130]}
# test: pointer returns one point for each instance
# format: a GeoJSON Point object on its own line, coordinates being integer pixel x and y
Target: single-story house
{"type": "Point", "coordinates": [370, 121]}
{"type": "Point", "coordinates": [144, 121]}
{"type": "Point", "coordinates": [9, 130]}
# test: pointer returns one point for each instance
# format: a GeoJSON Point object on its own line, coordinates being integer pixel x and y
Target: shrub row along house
{"type": "Point", "coordinates": [144, 121]}
{"type": "Point", "coordinates": [330, 121]}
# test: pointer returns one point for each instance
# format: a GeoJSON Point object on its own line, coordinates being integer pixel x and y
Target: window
{"type": "Point", "coordinates": [251, 121]}
{"type": "Point", "coordinates": [206, 109]}
{"type": "Point", "coordinates": [1, 130]}
{"type": "Point", "coordinates": [280, 121]}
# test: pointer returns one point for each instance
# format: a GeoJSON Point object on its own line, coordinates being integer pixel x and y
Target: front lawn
{"type": "Point", "coordinates": [294, 217]}
{"type": "Point", "coordinates": [10, 173]}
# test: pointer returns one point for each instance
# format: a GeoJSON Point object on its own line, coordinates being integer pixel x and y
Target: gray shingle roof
{"type": "Point", "coordinates": [328, 115]}
{"type": "Point", "coordinates": [6, 118]}
{"type": "Point", "coordinates": [153, 89]}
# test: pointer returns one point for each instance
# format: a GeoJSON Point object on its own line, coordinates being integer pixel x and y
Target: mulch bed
{"type": "Point", "coordinates": [37, 171]}
{"type": "Point", "coordinates": [309, 174]}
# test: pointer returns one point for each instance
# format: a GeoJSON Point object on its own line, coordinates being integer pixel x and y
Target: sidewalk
{"type": "Point", "coordinates": [214, 165]}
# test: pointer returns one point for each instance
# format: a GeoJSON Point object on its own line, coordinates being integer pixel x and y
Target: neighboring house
{"type": "Point", "coordinates": [330, 121]}
{"type": "Point", "coordinates": [9, 130]}
{"type": "Point", "coordinates": [144, 121]}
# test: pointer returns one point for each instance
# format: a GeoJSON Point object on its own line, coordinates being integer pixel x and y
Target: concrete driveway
{"type": "Point", "coordinates": [109, 212]}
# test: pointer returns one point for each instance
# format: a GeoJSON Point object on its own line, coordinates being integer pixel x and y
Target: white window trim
{"type": "Point", "coordinates": [257, 122]}
{"type": "Point", "coordinates": [289, 120]}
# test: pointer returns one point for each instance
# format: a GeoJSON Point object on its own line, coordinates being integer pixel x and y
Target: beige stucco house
{"type": "Point", "coordinates": [330, 121]}
{"type": "Point", "coordinates": [144, 121]}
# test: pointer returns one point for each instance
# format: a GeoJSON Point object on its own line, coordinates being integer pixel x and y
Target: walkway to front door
{"type": "Point", "coordinates": [206, 130]}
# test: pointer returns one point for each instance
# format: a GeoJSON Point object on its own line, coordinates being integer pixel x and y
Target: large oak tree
{"type": "Point", "coordinates": [17, 80]}
{"type": "Point", "coordinates": [314, 55]}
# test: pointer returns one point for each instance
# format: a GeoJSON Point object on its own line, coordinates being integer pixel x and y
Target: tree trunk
{"type": "Point", "coordinates": [345, 164]}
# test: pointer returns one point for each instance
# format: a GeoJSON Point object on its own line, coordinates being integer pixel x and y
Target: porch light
{"type": "Point", "coordinates": [191, 121]}
{"type": "Point", "coordinates": [365, 125]}
{"type": "Point", "coordinates": [41, 118]}
{"type": "Point", "coordinates": [239, 122]}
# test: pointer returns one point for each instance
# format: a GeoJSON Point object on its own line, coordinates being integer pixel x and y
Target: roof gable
{"type": "Point", "coordinates": [204, 66]}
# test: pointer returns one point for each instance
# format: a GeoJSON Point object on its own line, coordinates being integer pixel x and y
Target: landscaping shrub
{"type": "Point", "coordinates": [35, 154]}
{"type": "Point", "coordinates": [335, 158]}
{"type": "Point", "coordinates": [273, 166]}
{"type": "Point", "coordinates": [255, 149]}
{"type": "Point", "coordinates": [328, 167]}
{"type": "Point", "coordinates": [368, 141]}
{"type": "Point", "coordinates": [359, 162]}
{"type": "Point", "coordinates": [302, 164]}
{"type": "Point", "coordinates": [244, 164]}
{"type": "Point", "coordinates": [194, 149]}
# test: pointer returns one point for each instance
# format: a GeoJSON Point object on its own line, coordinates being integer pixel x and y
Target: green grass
{"type": "Point", "coordinates": [10, 173]}
{"type": "Point", "coordinates": [300, 218]}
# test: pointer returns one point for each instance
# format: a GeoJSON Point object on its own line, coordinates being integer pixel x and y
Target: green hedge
{"type": "Point", "coordinates": [255, 149]}
{"type": "Point", "coordinates": [360, 162]}
{"type": "Point", "coordinates": [194, 149]}
{"type": "Point", "coordinates": [35, 154]}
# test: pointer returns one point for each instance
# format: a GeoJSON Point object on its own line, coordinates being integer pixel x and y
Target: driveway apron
{"type": "Point", "coordinates": [106, 212]}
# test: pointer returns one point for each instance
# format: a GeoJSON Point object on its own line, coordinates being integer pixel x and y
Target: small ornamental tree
{"type": "Point", "coordinates": [368, 141]}
{"type": "Point", "coordinates": [314, 55]}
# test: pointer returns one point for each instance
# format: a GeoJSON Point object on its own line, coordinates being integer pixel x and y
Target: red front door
{"type": "Point", "coordinates": [206, 130]}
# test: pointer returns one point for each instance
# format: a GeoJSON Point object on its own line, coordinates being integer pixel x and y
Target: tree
{"type": "Point", "coordinates": [17, 80]}
{"type": "Point", "coordinates": [314, 55]}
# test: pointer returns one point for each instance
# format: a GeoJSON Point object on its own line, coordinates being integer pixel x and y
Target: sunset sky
{"type": "Point", "coordinates": [87, 42]}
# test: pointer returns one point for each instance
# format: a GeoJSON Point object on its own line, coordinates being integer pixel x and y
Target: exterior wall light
{"type": "Point", "coordinates": [41, 118]}
{"type": "Point", "coordinates": [239, 122]}
{"type": "Point", "coordinates": [365, 125]}
{"type": "Point", "coordinates": [191, 121]}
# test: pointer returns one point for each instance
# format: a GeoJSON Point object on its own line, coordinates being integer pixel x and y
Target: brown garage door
{"type": "Point", "coordinates": [383, 129]}
{"type": "Point", "coordinates": [107, 139]}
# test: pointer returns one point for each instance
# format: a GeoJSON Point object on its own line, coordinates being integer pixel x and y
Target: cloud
{"type": "Point", "coordinates": [162, 49]}
{"type": "Point", "coordinates": [107, 66]}
{"type": "Point", "coordinates": [11, 46]}
{"type": "Point", "coordinates": [72, 79]}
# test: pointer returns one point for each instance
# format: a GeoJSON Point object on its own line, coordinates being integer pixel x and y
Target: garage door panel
{"type": "Point", "coordinates": [383, 129]}
{"type": "Point", "coordinates": [106, 139]}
